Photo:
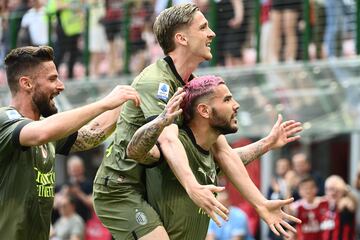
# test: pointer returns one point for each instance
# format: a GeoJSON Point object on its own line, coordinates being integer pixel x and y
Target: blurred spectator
{"type": "Point", "coordinates": [265, 31]}
{"type": "Point", "coordinates": [15, 11]}
{"type": "Point", "coordinates": [94, 230]}
{"type": "Point", "coordinates": [279, 187]}
{"type": "Point", "coordinates": [34, 25]}
{"type": "Point", "coordinates": [342, 211]}
{"type": "Point", "coordinates": [236, 228]}
{"type": "Point", "coordinates": [335, 26]}
{"type": "Point", "coordinates": [80, 190]}
{"type": "Point", "coordinates": [79, 186]}
{"type": "Point", "coordinates": [162, 4]}
{"type": "Point", "coordinates": [112, 22]}
{"type": "Point", "coordinates": [141, 12]}
{"type": "Point", "coordinates": [98, 44]}
{"type": "Point", "coordinates": [284, 19]}
{"type": "Point", "coordinates": [69, 226]}
{"type": "Point", "coordinates": [310, 210]}
{"type": "Point", "coordinates": [3, 27]}
{"type": "Point", "coordinates": [317, 21]}
{"type": "Point", "coordinates": [69, 27]}
{"type": "Point", "coordinates": [232, 28]}
{"type": "Point", "coordinates": [302, 168]}
{"type": "Point", "coordinates": [335, 15]}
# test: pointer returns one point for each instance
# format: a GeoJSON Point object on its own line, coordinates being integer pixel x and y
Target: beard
{"type": "Point", "coordinates": [221, 124]}
{"type": "Point", "coordinates": [42, 102]}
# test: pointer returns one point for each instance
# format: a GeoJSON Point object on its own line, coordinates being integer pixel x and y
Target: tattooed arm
{"type": "Point", "coordinates": [96, 131]}
{"type": "Point", "coordinates": [142, 145]}
{"type": "Point", "coordinates": [281, 134]}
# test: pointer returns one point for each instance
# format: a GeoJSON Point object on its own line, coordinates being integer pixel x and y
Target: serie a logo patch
{"type": "Point", "coordinates": [163, 91]}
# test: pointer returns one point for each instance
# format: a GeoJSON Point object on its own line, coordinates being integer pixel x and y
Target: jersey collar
{"type": "Point", "coordinates": [193, 140]}
{"type": "Point", "coordinates": [171, 64]}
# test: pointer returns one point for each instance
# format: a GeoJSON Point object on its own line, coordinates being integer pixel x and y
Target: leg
{"type": "Point", "coordinates": [290, 23]}
{"type": "Point", "coordinates": [73, 51]}
{"type": "Point", "coordinates": [158, 233]}
{"type": "Point", "coordinates": [275, 35]}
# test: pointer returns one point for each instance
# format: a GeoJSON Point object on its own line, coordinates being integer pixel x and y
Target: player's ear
{"type": "Point", "coordinates": [180, 38]}
{"type": "Point", "coordinates": [204, 110]}
{"type": "Point", "coordinates": [26, 83]}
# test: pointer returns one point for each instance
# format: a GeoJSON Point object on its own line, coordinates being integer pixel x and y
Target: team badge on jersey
{"type": "Point", "coordinates": [13, 114]}
{"type": "Point", "coordinates": [163, 91]}
{"type": "Point", "coordinates": [140, 217]}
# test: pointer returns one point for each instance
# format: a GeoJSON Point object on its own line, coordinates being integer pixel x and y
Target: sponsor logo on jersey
{"type": "Point", "coordinates": [13, 114]}
{"type": "Point", "coordinates": [163, 91]}
{"type": "Point", "coordinates": [140, 217]}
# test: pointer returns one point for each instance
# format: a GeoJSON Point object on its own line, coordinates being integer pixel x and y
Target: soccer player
{"type": "Point", "coordinates": [119, 190]}
{"type": "Point", "coordinates": [209, 111]}
{"type": "Point", "coordinates": [32, 132]}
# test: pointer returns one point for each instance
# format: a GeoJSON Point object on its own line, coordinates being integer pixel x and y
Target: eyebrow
{"type": "Point", "coordinates": [203, 24]}
{"type": "Point", "coordinates": [228, 97]}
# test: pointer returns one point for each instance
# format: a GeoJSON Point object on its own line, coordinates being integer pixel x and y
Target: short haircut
{"type": "Point", "coordinates": [194, 90]}
{"type": "Point", "coordinates": [307, 179]}
{"type": "Point", "coordinates": [171, 20]}
{"type": "Point", "coordinates": [22, 62]}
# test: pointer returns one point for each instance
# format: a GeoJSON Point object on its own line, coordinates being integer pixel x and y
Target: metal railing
{"type": "Point", "coordinates": [15, 19]}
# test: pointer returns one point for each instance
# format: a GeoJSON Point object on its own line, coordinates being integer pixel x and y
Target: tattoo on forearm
{"type": "Point", "coordinates": [145, 138]}
{"type": "Point", "coordinates": [251, 152]}
{"type": "Point", "coordinates": [88, 137]}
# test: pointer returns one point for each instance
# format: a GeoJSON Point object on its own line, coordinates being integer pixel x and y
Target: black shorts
{"type": "Point", "coordinates": [281, 5]}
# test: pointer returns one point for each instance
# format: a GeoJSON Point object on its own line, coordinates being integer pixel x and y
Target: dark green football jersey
{"type": "Point", "coordinates": [156, 84]}
{"type": "Point", "coordinates": [27, 180]}
{"type": "Point", "coordinates": [182, 219]}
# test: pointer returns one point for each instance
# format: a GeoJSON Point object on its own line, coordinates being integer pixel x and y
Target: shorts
{"type": "Point", "coordinates": [124, 212]}
{"type": "Point", "coordinates": [282, 5]}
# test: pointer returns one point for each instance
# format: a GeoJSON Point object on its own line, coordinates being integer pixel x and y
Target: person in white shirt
{"type": "Point", "coordinates": [35, 22]}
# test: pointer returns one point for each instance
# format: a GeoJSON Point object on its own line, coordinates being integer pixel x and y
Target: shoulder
{"type": "Point", "coordinates": [154, 73]}
{"type": "Point", "coordinates": [8, 114]}
{"type": "Point", "coordinates": [77, 219]}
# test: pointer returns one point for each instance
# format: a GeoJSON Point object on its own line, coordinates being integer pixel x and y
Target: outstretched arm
{"type": "Point", "coordinates": [269, 211]}
{"type": "Point", "coordinates": [63, 124]}
{"type": "Point", "coordinates": [281, 134]}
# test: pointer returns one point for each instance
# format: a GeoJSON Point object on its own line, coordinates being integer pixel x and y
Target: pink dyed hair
{"type": "Point", "coordinates": [195, 89]}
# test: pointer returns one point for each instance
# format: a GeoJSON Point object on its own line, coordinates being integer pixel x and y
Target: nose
{"type": "Point", "coordinates": [60, 85]}
{"type": "Point", "coordinates": [236, 105]}
{"type": "Point", "coordinates": [211, 33]}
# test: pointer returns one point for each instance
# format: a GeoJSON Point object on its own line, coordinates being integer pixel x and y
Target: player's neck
{"type": "Point", "coordinates": [185, 65]}
{"type": "Point", "coordinates": [203, 134]}
{"type": "Point", "coordinates": [24, 106]}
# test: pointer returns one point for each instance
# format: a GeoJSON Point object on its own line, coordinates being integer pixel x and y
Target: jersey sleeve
{"type": "Point", "coordinates": [154, 95]}
{"type": "Point", "coordinates": [63, 146]}
{"type": "Point", "coordinates": [11, 123]}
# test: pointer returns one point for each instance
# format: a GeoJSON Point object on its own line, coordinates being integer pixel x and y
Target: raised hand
{"type": "Point", "coordinates": [203, 197]}
{"type": "Point", "coordinates": [172, 109]}
{"type": "Point", "coordinates": [284, 132]}
{"type": "Point", "coordinates": [119, 95]}
{"type": "Point", "coordinates": [271, 212]}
